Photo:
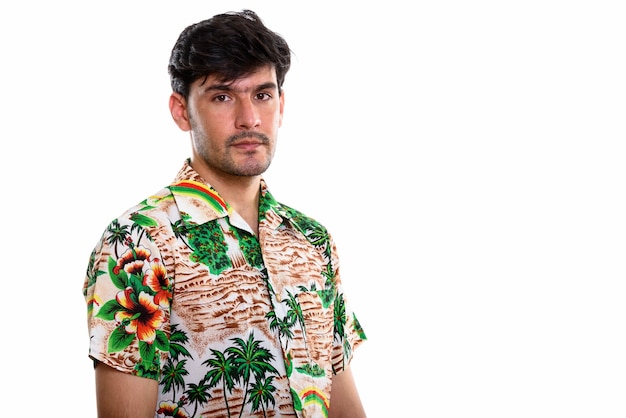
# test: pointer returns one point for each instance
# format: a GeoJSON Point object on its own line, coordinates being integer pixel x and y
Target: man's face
{"type": "Point", "coordinates": [234, 125]}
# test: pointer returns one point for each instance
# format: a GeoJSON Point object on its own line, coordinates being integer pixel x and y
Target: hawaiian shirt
{"type": "Point", "coordinates": [179, 289]}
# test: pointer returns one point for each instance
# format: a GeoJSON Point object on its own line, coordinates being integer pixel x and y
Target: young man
{"type": "Point", "coordinates": [210, 298]}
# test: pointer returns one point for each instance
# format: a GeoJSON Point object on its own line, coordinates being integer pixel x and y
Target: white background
{"type": "Point", "coordinates": [467, 156]}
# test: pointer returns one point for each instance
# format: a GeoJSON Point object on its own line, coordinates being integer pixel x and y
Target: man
{"type": "Point", "coordinates": [210, 298]}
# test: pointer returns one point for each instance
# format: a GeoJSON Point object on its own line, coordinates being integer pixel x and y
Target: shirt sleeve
{"type": "Point", "coordinates": [348, 333]}
{"type": "Point", "coordinates": [128, 297]}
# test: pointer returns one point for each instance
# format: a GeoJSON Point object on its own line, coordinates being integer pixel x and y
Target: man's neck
{"type": "Point", "coordinates": [242, 194]}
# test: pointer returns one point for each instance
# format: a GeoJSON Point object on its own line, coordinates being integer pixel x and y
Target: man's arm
{"type": "Point", "coordinates": [344, 397]}
{"type": "Point", "coordinates": [123, 395]}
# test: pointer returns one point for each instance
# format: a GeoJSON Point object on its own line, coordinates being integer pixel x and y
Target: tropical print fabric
{"type": "Point", "coordinates": [180, 290]}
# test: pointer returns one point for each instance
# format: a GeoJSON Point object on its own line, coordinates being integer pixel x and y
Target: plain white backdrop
{"type": "Point", "coordinates": [468, 158]}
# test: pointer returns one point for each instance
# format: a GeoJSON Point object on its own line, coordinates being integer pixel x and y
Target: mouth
{"type": "Point", "coordinates": [248, 141]}
{"type": "Point", "coordinates": [247, 145]}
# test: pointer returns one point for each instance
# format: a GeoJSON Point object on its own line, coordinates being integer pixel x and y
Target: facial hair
{"type": "Point", "coordinates": [222, 159]}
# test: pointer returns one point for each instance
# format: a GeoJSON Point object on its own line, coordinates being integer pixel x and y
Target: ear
{"type": "Point", "coordinates": [179, 111]}
{"type": "Point", "coordinates": [282, 108]}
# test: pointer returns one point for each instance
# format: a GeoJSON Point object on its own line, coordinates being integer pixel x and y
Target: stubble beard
{"type": "Point", "coordinates": [225, 162]}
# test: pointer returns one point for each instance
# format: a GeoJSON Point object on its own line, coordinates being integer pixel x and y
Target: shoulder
{"type": "Point", "coordinates": [150, 211]}
{"type": "Point", "coordinates": [314, 231]}
{"type": "Point", "coordinates": [268, 205]}
{"type": "Point", "coordinates": [147, 223]}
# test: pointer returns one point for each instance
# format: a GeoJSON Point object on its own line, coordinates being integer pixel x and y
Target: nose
{"type": "Point", "coordinates": [247, 115]}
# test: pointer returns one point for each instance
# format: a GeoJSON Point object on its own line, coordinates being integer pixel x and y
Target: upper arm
{"type": "Point", "coordinates": [123, 395]}
{"type": "Point", "coordinates": [345, 401]}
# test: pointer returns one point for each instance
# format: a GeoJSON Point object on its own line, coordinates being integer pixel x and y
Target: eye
{"type": "Point", "coordinates": [221, 98]}
{"type": "Point", "coordinates": [263, 96]}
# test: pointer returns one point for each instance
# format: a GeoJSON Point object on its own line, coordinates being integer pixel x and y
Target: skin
{"type": "Point", "coordinates": [233, 129]}
{"type": "Point", "coordinates": [122, 395]}
{"type": "Point", "coordinates": [345, 401]}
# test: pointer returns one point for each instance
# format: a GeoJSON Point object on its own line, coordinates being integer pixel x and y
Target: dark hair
{"type": "Point", "coordinates": [228, 45]}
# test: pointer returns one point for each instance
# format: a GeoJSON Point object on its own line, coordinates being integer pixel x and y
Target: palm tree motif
{"type": "Point", "coordinates": [314, 232]}
{"type": "Point", "coordinates": [317, 234]}
{"type": "Point", "coordinates": [120, 234]}
{"type": "Point", "coordinates": [173, 376]}
{"type": "Point", "coordinates": [174, 370]}
{"type": "Point", "coordinates": [92, 276]}
{"type": "Point", "coordinates": [222, 370]}
{"type": "Point", "coordinates": [339, 317]}
{"type": "Point", "coordinates": [283, 325]}
{"type": "Point", "coordinates": [340, 320]}
{"type": "Point", "coordinates": [250, 360]}
{"type": "Point", "coordinates": [295, 315]}
{"type": "Point", "coordinates": [117, 235]}
{"type": "Point", "coordinates": [198, 394]}
{"type": "Point", "coordinates": [329, 273]}
{"type": "Point", "coordinates": [178, 339]}
{"type": "Point", "coordinates": [261, 394]}
{"type": "Point", "coordinates": [181, 229]}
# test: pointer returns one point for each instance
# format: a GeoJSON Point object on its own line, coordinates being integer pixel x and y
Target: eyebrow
{"type": "Point", "coordinates": [228, 87]}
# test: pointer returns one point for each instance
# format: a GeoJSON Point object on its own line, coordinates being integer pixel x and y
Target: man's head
{"type": "Point", "coordinates": [227, 46]}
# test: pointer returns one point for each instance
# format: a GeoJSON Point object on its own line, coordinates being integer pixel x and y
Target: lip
{"type": "Point", "coordinates": [247, 145]}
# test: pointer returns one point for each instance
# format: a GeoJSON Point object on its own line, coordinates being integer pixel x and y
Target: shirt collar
{"type": "Point", "coordinates": [198, 202]}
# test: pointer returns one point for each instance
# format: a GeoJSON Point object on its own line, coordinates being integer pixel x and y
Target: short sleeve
{"type": "Point", "coordinates": [128, 295]}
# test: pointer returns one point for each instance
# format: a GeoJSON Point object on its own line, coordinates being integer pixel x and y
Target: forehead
{"type": "Point", "coordinates": [260, 78]}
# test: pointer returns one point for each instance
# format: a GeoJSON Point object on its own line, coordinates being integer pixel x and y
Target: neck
{"type": "Point", "coordinates": [243, 197]}
{"type": "Point", "coordinates": [242, 194]}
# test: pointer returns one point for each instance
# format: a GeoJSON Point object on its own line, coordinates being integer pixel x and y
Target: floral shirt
{"type": "Point", "coordinates": [180, 290]}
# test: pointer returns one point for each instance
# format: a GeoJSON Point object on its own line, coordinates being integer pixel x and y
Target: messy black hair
{"type": "Point", "coordinates": [229, 46]}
